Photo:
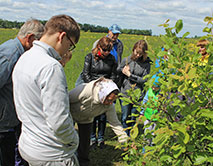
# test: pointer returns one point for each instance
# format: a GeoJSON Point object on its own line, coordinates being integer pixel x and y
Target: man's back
{"type": "Point", "coordinates": [10, 51]}
{"type": "Point", "coordinates": [40, 96]}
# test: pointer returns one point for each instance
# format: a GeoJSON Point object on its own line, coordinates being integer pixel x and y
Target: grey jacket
{"type": "Point", "coordinates": [138, 70]}
{"type": "Point", "coordinates": [10, 51]}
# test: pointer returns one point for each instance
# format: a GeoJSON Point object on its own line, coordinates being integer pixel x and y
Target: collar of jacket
{"type": "Point", "coordinates": [19, 46]}
{"type": "Point", "coordinates": [50, 50]}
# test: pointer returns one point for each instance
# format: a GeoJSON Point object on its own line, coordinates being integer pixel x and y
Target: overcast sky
{"type": "Point", "coordinates": [129, 14]}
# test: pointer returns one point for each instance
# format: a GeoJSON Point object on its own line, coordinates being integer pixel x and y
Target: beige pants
{"type": "Point", "coordinates": [72, 161]}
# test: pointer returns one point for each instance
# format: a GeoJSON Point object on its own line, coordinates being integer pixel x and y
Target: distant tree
{"type": "Point", "coordinates": [84, 27]}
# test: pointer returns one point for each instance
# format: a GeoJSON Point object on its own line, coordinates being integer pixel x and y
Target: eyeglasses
{"type": "Point", "coordinates": [72, 45]}
{"type": "Point", "coordinates": [106, 50]}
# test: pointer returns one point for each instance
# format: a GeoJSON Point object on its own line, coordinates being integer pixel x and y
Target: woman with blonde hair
{"type": "Point", "coordinates": [133, 69]}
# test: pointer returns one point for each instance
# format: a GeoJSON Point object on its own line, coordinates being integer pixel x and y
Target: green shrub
{"type": "Point", "coordinates": [184, 127]}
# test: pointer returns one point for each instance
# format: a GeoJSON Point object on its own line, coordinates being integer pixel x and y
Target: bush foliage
{"type": "Point", "coordinates": [184, 126]}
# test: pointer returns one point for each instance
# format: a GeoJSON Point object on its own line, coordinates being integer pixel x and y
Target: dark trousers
{"type": "Point", "coordinates": [101, 120]}
{"type": "Point", "coordinates": [7, 148]}
{"type": "Point", "coordinates": [84, 131]}
{"type": "Point", "coordinates": [19, 161]}
{"type": "Point", "coordinates": [9, 154]}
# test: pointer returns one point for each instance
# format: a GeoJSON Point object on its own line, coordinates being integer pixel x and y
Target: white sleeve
{"type": "Point", "coordinates": [115, 124]}
{"type": "Point", "coordinates": [54, 95]}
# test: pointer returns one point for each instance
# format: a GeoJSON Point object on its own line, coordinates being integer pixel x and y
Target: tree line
{"type": "Point", "coordinates": [84, 27]}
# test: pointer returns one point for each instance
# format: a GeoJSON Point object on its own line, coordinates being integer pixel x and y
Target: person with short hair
{"type": "Point", "coordinates": [88, 101]}
{"type": "Point", "coordinates": [10, 128]}
{"type": "Point", "coordinates": [117, 49]}
{"type": "Point", "coordinates": [41, 97]}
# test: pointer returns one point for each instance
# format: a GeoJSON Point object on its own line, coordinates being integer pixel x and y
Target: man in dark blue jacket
{"type": "Point", "coordinates": [10, 51]}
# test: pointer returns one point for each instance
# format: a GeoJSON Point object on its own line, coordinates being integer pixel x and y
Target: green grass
{"type": "Point", "coordinates": [109, 156]}
{"type": "Point", "coordinates": [6, 34]}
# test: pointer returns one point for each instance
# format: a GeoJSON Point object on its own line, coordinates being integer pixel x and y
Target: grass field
{"type": "Point", "coordinates": [107, 156]}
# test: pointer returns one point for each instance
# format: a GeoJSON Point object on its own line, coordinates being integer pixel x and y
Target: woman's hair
{"type": "Point", "coordinates": [202, 42]}
{"type": "Point", "coordinates": [141, 47]}
{"type": "Point", "coordinates": [105, 43]}
{"type": "Point", "coordinates": [63, 23]}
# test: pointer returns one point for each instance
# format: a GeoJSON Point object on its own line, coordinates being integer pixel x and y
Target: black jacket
{"type": "Point", "coordinates": [93, 69]}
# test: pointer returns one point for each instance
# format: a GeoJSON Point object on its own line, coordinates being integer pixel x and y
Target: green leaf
{"type": "Point", "coordinates": [176, 147]}
{"type": "Point", "coordinates": [185, 34]}
{"type": "Point", "coordinates": [200, 159]}
{"type": "Point", "coordinates": [125, 100]}
{"type": "Point", "coordinates": [167, 21]}
{"type": "Point", "coordinates": [206, 29]}
{"type": "Point", "coordinates": [166, 158]}
{"type": "Point", "coordinates": [192, 73]}
{"type": "Point", "coordinates": [186, 139]}
{"type": "Point", "coordinates": [174, 76]}
{"type": "Point", "coordinates": [206, 113]}
{"type": "Point", "coordinates": [210, 145]}
{"type": "Point", "coordinates": [190, 148]}
{"type": "Point", "coordinates": [134, 132]}
{"type": "Point", "coordinates": [207, 19]}
{"type": "Point", "coordinates": [178, 26]}
{"type": "Point", "coordinates": [210, 159]}
{"type": "Point", "coordinates": [182, 129]}
{"type": "Point", "coordinates": [207, 138]}
{"type": "Point", "coordinates": [182, 88]}
{"type": "Point", "coordinates": [177, 153]}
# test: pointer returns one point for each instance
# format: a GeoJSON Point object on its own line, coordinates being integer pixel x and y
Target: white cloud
{"type": "Point", "coordinates": [137, 14]}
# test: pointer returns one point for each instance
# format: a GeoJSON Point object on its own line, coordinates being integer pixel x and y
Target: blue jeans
{"type": "Point", "coordinates": [79, 80]}
{"type": "Point", "coordinates": [127, 111]}
{"type": "Point", "coordinates": [101, 120]}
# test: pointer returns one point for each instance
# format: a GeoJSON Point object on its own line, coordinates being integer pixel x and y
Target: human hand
{"type": "Point", "coordinates": [126, 70]}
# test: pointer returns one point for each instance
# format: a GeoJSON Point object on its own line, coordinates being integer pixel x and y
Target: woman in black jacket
{"type": "Point", "coordinates": [100, 63]}
{"type": "Point", "coordinates": [133, 69]}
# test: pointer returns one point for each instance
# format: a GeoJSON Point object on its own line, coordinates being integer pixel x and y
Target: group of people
{"type": "Point", "coordinates": [38, 114]}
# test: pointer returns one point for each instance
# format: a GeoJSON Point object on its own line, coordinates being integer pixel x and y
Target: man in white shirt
{"type": "Point", "coordinates": [41, 98]}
